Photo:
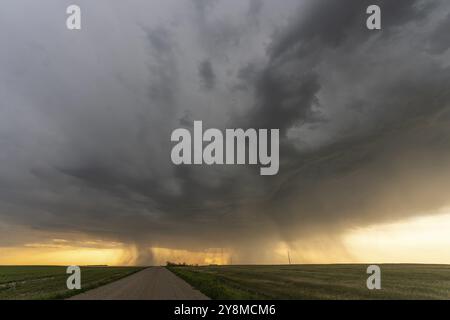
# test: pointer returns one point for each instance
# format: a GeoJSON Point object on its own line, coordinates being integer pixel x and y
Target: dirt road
{"type": "Point", "coordinates": [153, 283]}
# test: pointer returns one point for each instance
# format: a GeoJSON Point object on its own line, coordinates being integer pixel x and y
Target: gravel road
{"type": "Point", "coordinates": [153, 283]}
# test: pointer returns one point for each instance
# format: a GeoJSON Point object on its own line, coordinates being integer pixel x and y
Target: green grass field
{"type": "Point", "coordinates": [399, 281]}
{"type": "Point", "coordinates": [48, 282]}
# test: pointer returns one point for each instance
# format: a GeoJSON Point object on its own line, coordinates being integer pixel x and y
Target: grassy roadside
{"type": "Point", "coordinates": [399, 281]}
{"type": "Point", "coordinates": [214, 286]}
{"type": "Point", "coordinates": [49, 282]}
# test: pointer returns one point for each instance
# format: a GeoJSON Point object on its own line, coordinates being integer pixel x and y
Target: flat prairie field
{"type": "Point", "coordinates": [49, 282]}
{"type": "Point", "coordinates": [339, 281]}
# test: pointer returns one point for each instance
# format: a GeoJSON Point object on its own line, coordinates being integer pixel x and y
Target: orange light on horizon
{"type": "Point", "coordinates": [423, 239]}
{"type": "Point", "coordinates": [60, 256]}
{"type": "Point", "coordinates": [205, 257]}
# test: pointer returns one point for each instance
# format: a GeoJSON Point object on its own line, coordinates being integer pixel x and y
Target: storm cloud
{"type": "Point", "coordinates": [86, 118]}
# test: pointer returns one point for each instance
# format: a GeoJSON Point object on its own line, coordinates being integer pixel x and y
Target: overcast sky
{"type": "Point", "coordinates": [86, 118]}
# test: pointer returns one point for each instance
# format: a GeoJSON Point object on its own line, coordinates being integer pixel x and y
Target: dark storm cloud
{"type": "Point", "coordinates": [439, 40]}
{"type": "Point", "coordinates": [207, 76]}
{"type": "Point", "coordinates": [329, 24]}
{"type": "Point", "coordinates": [255, 7]}
{"type": "Point", "coordinates": [288, 85]}
{"type": "Point", "coordinates": [284, 100]}
{"type": "Point", "coordinates": [86, 119]}
{"type": "Point", "coordinates": [203, 6]}
{"type": "Point", "coordinates": [164, 67]}
{"type": "Point", "coordinates": [254, 11]}
{"type": "Point", "coordinates": [291, 92]}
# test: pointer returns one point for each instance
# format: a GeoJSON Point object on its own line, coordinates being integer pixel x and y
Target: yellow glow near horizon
{"type": "Point", "coordinates": [417, 240]}
{"type": "Point", "coordinates": [60, 256]}
{"type": "Point", "coordinates": [56, 253]}
{"type": "Point", "coordinates": [209, 256]}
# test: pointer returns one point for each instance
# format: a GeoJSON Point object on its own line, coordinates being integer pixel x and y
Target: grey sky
{"type": "Point", "coordinates": [86, 117]}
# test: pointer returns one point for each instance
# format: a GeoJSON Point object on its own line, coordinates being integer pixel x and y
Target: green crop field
{"type": "Point", "coordinates": [398, 281]}
{"type": "Point", "coordinates": [49, 282]}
